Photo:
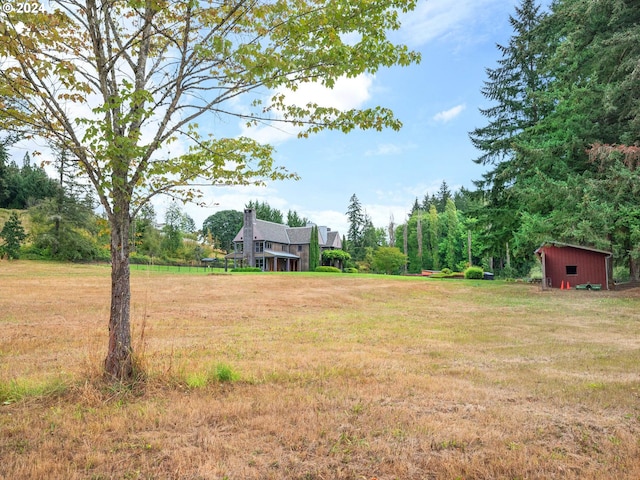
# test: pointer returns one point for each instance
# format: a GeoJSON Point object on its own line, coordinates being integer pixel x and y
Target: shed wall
{"type": "Point", "coordinates": [590, 266]}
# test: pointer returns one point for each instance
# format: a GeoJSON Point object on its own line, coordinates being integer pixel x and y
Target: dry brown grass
{"type": "Point", "coordinates": [340, 378]}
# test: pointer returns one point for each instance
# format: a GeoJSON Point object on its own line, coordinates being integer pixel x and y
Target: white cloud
{"type": "Point", "coordinates": [448, 115]}
{"type": "Point", "coordinates": [347, 93]}
{"type": "Point", "coordinates": [438, 19]}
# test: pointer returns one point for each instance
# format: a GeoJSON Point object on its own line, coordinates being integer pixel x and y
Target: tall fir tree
{"type": "Point", "coordinates": [516, 88]}
{"type": "Point", "coordinates": [356, 218]}
{"type": "Point", "coordinates": [442, 197]}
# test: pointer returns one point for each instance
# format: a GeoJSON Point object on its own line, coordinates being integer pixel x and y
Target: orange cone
{"type": "Point", "coordinates": [562, 285]}
{"type": "Point", "coordinates": [568, 285]}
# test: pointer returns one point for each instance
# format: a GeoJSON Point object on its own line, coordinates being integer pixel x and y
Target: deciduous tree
{"type": "Point", "coordinates": [223, 226]}
{"type": "Point", "coordinates": [120, 85]}
{"type": "Point", "coordinates": [389, 260]}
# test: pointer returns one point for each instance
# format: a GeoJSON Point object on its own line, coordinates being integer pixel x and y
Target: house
{"type": "Point", "coordinates": [276, 247]}
{"type": "Point", "coordinates": [564, 264]}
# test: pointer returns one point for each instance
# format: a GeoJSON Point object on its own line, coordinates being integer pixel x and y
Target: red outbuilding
{"type": "Point", "coordinates": [571, 265]}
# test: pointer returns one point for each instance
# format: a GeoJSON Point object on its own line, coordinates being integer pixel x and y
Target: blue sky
{"type": "Point", "coordinates": [437, 101]}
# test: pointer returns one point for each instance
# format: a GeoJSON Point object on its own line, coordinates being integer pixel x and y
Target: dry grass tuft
{"type": "Point", "coordinates": [317, 377]}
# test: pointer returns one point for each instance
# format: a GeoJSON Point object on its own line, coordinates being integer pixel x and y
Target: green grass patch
{"type": "Point", "coordinates": [13, 391]}
{"type": "Point", "coordinates": [218, 373]}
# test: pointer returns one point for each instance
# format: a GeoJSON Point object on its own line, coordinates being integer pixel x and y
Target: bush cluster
{"type": "Point", "coordinates": [328, 270]}
{"type": "Point", "coordinates": [246, 269]}
{"type": "Point", "coordinates": [474, 273]}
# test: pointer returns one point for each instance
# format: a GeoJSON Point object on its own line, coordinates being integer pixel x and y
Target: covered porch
{"type": "Point", "coordinates": [268, 261]}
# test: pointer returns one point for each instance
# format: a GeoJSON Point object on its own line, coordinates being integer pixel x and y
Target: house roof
{"type": "Point", "coordinates": [279, 233]}
{"type": "Point", "coordinates": [273, 232]}
{"type": "Point", "coordinates": [560, 244]}
{"type": "Point", "coordinates": [333, 239]}
{"type": "Point", "coordinates": [299, 235]}
{"type": "Point", "coordinates": [263, 230]}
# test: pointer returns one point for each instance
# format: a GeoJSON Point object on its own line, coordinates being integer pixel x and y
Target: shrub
{"type": "Point", "coordinates": [535, 274]}
{"type": "Point", "coordinates": [327, 270]}
{"type": "Point", "coordinates": [246, 269]}
{"type": "Point", "coordinates": [31, 252]}
{"type": "Point", "coordinates": [621, 274]}
{"type": "Point", "coordinates": [474, 273]}
{"type": "Point", "coordinates": [350, 270]}
{"type": "Point", "coordinates": [508, 273]}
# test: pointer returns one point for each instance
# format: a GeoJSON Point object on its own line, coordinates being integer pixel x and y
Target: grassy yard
{"type": "Point", "coordinates": [284, 376]}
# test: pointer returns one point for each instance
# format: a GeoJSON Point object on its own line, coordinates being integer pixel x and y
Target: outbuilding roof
{"type": "Point", "coordinates": [561, 244]}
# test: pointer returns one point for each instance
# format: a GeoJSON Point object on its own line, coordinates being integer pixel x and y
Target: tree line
{"type": "Point", "coordinates": [561, 142]}
{"type": "Point", "coordinates": [561, 145]}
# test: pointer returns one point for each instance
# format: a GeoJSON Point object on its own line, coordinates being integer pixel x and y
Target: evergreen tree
{"type": "Point", "coordinates": [295, 220]}
{"type": "Point", "coordinates": [265, 212]}
{"type": "Point", "coordinates": [516, 87]}
{"type": "Point", "coordinates": [427, 201]}
{"type": "Point", "coordinates": [25, 186]}
{"type": "Point", "coordinates": [13, 235]}
{"type": "Point", "coordinates": [356, 219]}
{"type": "Point", "coordinates": [415, 207]}
{"type": "Point", "coordinates": [314, 249]}
{"type": "Point", "coordinates": [4, 170]}
{"type": "Point", "coordinates": [595, 87]}
{"type": "Point", "coordinates": [442, 197]}
{"type": "Point", "coordinates": [372, 237]}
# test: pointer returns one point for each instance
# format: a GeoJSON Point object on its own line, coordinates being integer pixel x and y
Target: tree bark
{"type": "Point", "coordinates": [119, 362]}
{"type": "Point", "coordinates": [634, 270]}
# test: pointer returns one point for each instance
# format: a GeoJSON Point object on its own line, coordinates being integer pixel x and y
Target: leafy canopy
{"type": "Point", "coordinates": [118, 83]}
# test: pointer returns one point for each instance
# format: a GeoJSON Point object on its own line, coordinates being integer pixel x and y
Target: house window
{"type": "Point", "coordinates": [299, 248]}
{"type": "Point", "coordinates": [268, 245]}
{"type": "Point", "coordinates": [260, 262]}
{"type": "Point", "coordinates": [572, 269]}
{"type": "Point", "coordinates": [259, 247]}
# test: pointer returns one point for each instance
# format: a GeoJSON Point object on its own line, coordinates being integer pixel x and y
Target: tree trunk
{"type": "Point", "coordinates": [634, 269]}
{"type": "Point", "coordinates": [119, 362]}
